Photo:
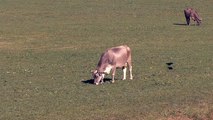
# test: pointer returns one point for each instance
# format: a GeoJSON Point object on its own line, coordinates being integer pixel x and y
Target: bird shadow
{"type": "Point", "coordinates": [91, 81]}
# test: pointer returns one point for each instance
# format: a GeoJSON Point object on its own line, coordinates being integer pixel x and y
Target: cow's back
{"type": "Point", "coordinates": [190, 12]}
{"type": "Point", "coordinates": [120, 55]}
{"type": "Point", "coordinates": [115, 56]}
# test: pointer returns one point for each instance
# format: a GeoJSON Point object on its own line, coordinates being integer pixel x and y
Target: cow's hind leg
{"type": "Point", "coordinates": [188, 20]}
{"type": "Point", "coordinates": [124, 73]}
{"type": "Point", "coordinates": [130, 70]}
{"type": "Point", "coordinates": [187, 16]}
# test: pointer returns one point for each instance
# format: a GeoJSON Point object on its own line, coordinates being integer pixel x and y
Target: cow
{"type": "Point", "coordinates": [191, 13]}
{"type": "Point", "coordinates": [112, 58]}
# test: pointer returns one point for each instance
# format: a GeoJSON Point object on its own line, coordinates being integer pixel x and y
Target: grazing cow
{"type": "Point", "coordinates": [112, 58]}
{"type": "Point", "coordinates": [191, 13]}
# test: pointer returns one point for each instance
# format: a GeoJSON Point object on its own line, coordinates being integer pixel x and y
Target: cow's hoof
{"type": "Point", "coordinates": [112, 81]}
{"type": "Point", "coordinates": [96, 84]}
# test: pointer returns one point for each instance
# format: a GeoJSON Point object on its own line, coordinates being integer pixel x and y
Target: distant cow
{"type": "Point", "coordinates": [112, 58]}
{"type": "Point", "coordinates": [191, 13]}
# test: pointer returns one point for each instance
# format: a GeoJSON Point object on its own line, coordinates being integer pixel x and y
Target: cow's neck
{"type": "Point", "coordinates": [105, 69]}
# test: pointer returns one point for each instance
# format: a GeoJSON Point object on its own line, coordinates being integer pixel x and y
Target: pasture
{"type": "Point", "coordinates": [49, 47]}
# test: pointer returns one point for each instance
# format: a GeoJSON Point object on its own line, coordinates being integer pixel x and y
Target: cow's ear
{"type": "Point", "coordinates": [93, 71]}
{"type": "Point", "coordinates": [105, 73]}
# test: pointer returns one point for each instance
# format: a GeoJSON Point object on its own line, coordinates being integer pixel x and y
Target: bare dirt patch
{"type": "Point", "coordinates": [182, 117]}
{"type": "Point", "coordinates": [179, 118]}
{"type": "Point", "coordinates": [5, 45]}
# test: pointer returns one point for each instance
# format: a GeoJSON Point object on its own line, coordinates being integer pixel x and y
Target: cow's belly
{"type": "Point", "coordinates": [121, 65]}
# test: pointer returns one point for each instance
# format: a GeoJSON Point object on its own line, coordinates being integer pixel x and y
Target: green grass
{"type": "Point", "coordinates": [48, 49]}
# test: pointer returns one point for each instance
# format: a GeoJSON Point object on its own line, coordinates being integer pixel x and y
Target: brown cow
{"type": "Point", "coordinates": [112, 58]}
{"type": "Point", "coordinates": [191, 13]}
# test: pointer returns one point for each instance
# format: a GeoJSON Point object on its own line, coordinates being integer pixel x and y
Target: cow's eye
{"type": "Point", "coordinates": [96, 75]}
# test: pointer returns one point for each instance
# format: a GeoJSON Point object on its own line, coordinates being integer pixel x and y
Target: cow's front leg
{"type": "Point", "coordinates": [124, 73]}
{"type": "Point", "coordinates": [102, 79]}
{"type": "Point", "coordinates": [113, 74]}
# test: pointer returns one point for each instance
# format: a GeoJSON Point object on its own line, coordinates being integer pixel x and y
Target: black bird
{"type": "Point", "coordinates": [170, 67]}
{"type": "Point", "coordinates": [170, 63]}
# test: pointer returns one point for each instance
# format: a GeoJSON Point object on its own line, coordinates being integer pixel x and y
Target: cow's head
{"type": "Point", "coordinates": [98, 77]}
{"type": "Point", "coordinates": [199, 20]}
{"type": "Point", "coordinates": [196, 17]}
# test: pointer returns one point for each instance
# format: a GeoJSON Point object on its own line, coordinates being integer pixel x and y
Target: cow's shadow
{"type": "Point", "coordinates": [183, 24]}
{"type": "Point", "coordinates": [180, 24]}
{"type": "Point", "coordinates": [91, 81]}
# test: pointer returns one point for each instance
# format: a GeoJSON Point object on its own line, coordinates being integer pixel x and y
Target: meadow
{"type": "Point", "coordinates": [49, 47]}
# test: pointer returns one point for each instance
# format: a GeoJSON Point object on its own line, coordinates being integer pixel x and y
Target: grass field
{"type": "Point", "coordinates": [49, 47]}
